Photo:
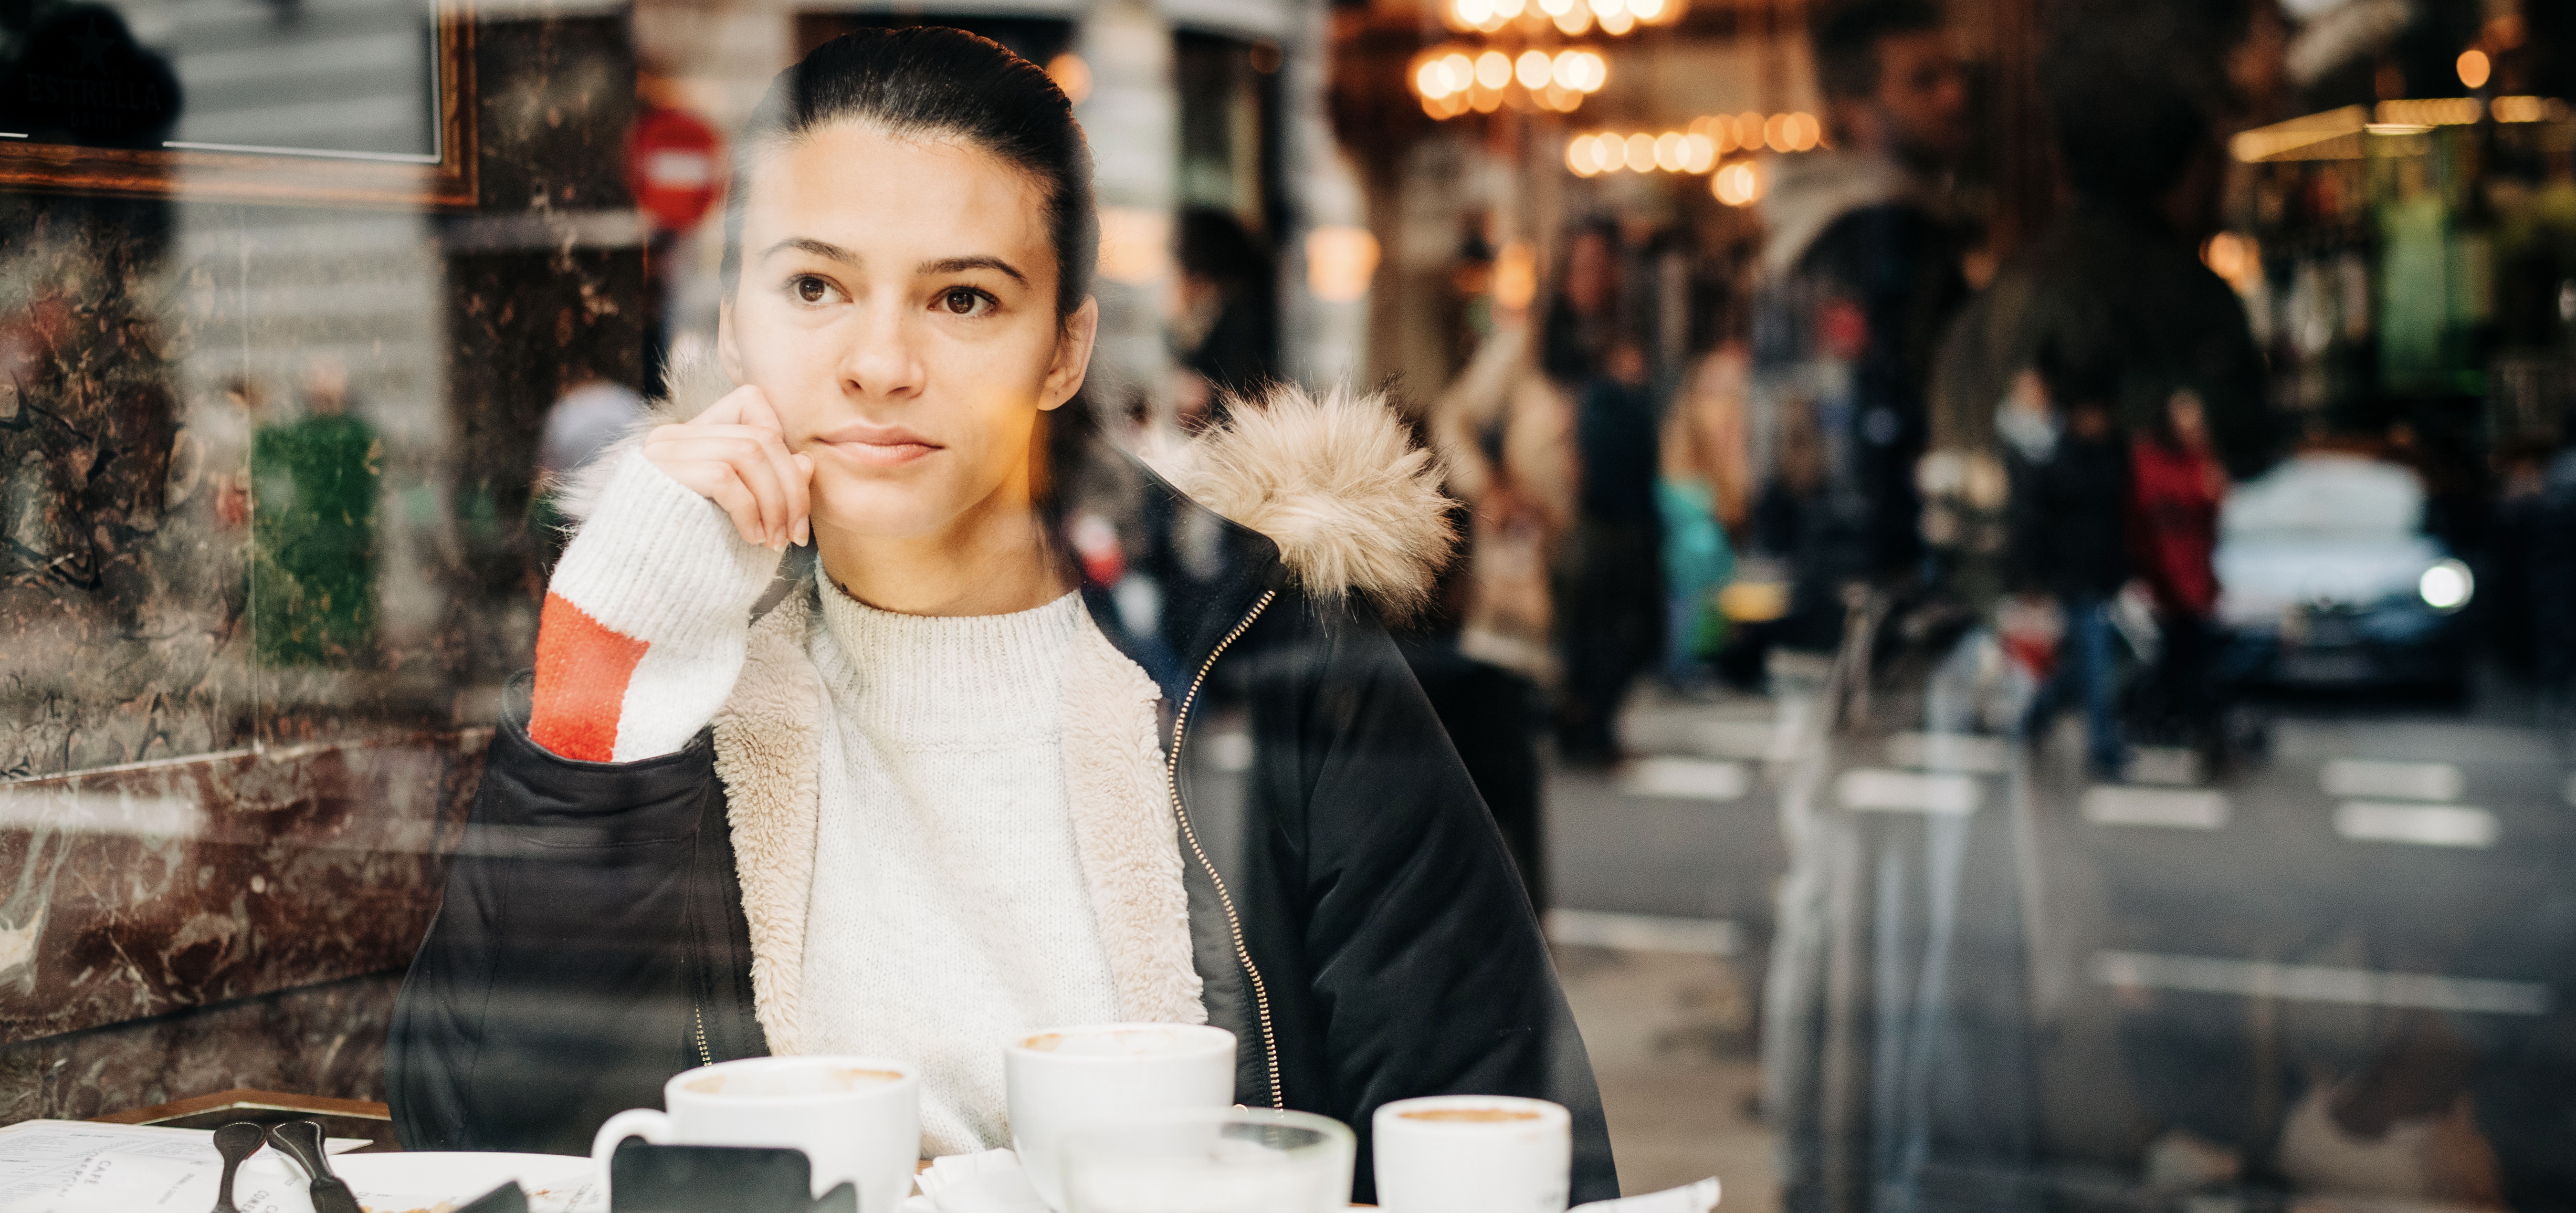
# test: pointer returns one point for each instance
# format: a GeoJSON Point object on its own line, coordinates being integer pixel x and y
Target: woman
{"type": "Point", "coordinates": [918, 799]}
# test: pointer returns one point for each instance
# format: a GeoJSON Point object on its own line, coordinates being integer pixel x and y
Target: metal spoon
{"type": "Point", "coordinates": [301, 1140]}
{"type": "Point", "coordinates": [235, 1141]}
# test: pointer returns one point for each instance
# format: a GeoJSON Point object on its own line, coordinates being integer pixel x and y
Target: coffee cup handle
{"type": "Point", "coordinates": [650, 1124]}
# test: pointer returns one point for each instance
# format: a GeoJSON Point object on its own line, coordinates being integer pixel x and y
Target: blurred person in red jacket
{"type": "Point", "coordinates": [2176, 486]}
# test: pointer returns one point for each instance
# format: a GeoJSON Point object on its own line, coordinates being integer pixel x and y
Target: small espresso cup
{"type": "Point", "coordinates": [1472, 1154]}
{"type": "Point", "coordinates": [858, 1119]}
{"type": "Point", "coordinates": [1065, 1079]}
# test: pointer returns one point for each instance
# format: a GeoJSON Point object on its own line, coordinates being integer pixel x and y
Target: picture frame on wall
{"type": "Point", "coordinates": [328, 102]}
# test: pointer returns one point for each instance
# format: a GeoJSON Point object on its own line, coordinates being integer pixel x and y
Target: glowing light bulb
{"type": "Point", "coordinates": [1617, 23]}
{"type": "Point", "coordinates": [1531, 70]}
{"type": "Point", "coordinates": [1804, 131]}
{"type": "Point", "coordinates": [1473, 13]}
{"type": "Point", "coordinates": [1646, 10]}
{"type": "Point", "coordinates": [1583, 155]}
{"type": "Point", "coordinates": [2474, 68]}
{"type": "Point", "coordinates": [1671, 152]}
{"type": "Point", "coordinates": [1430, 81]}
{"type": "Point", "coordinates": [1596, 72]}
{"type": "Point", "coordinates": [1698, 153]}
{"type": "Point", "coordinates": [1736, 184]}
{"type": "Point", "coordinates": [1639, 152]}
{"type": "Point", "coordinates": [1574, 20]}
{"type": "Point", "coordinates": [1493, 69]}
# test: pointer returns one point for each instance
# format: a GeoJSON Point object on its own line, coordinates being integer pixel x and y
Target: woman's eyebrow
{"type": "Point", "coordinates": [807, 244]}
{"type": "Point", "coordinates": [954, 265]}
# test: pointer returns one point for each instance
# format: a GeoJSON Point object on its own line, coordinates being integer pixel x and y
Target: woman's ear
{"type": "Point", "coordinates": [727, 352]}
{"type": "Point", "coordinates": [1072, 354]}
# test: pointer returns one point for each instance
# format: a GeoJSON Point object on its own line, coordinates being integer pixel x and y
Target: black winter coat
{"type": "Point", "coordinates": [593, 940]}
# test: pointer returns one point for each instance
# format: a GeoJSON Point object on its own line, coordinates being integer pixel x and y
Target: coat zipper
{"type": "Point", "coordinates": [699, 1013]}
{"type": "Point", "coordinates": [1233, 923]}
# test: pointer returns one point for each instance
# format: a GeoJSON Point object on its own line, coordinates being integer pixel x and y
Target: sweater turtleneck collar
{"type": "Point", "coordinates": [946, 676]}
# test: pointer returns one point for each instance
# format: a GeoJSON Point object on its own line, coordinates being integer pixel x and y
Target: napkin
{"type": "Point", "coordinates": [111, 1182]}
{"type": "Point", "coordinates": [988, 1181]}
{"type": "Point", "coordinates": [1689, 1198]}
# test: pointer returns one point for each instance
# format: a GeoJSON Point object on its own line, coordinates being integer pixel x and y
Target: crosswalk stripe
{"type": "Point", "coordinates": [2319, 983]}
{"type": "Point", "coordinates": [1644, 932]}
{"type": "Point", "coordinates": [1909, 792]}
{"type": "Point", "coordinates": [2169, 808]}
{"type": "Point", "coordinates": [2431, 825]}
{"type": "Point", "coordinates": [2364, 777]}
{"type": "Point", "coordinates": [1950, 752]}
{"type": "Point", "coordinates": [1685, 779]}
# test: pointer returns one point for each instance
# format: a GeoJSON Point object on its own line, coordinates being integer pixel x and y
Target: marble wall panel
{"type": "Point", "coordinates": [154, 888]}
{"type": "Point", "coordinates": [317, 1040]}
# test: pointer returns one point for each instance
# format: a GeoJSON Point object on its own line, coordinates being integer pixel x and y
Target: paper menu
{"type": "Point", "coordinates": [39, 1157]}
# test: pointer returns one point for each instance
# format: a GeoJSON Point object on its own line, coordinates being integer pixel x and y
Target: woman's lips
{"type": "Point", "coordinates": [877, 445]}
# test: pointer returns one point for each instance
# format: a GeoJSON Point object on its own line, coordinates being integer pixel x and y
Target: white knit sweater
{"type": "Point", "coordinates": [948, 911]}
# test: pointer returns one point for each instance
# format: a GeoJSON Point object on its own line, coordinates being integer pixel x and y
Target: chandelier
{"type": "Point", "coordinates": [1456, 78]}
{"type": "Point", "coordinates": [1569, 17]}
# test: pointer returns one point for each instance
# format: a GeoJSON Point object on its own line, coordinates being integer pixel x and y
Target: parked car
{"type": "Point", "coordinates": [2327, 579]}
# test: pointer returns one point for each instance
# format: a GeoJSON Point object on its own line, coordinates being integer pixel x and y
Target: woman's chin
{"type": "Point", "coordinates": [877, 513]}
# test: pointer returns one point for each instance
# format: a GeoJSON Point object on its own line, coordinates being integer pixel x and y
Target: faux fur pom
{"type": "Point", "coordinates": [1338, 484]}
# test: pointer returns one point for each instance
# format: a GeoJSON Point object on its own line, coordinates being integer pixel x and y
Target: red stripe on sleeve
{"type": "Point", "coordinates": [582, 670]}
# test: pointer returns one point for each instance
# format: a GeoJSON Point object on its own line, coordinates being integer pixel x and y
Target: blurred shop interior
{"type": "Point", "coordinates": [1926, 815]}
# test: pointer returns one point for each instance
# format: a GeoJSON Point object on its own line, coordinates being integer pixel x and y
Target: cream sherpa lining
{"type": "Point", "coordinates": [1116, 789]}
{"type": "Point", "coordinates": [769, 753]}
{"type": "Point", "coordinates": [1338, 484]}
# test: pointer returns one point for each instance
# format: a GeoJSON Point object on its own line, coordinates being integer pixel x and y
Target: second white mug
{"type": "Point", "coordinates": [1063, 1079]}
{"type": "Point", "coordinates": [1472, 1154]}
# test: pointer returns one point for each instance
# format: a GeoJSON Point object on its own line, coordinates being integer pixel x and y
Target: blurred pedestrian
{"type": "Point", "coordinates": [316, 480]}
{"type": "Point", "coordinates": [1225, 325]}
{"type": "Point", "coordinates": [1485, 651]}
{"type": "Point", "coordinates": [2177, 486]}
{"type": "Point", "coordinates": [1701, 494]}
{"type": "Point", "coordinates": [1861, 273]}
{"type": "Point", "coordinates": [590, 416]}
{"type": "Point", "coordinates": [2069, 467]}
{"type": "Point", "coordinates": [1609, 590]}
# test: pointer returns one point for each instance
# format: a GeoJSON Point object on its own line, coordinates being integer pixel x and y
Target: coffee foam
{"type": "Point", "coordinates": [1122, 1042]}
{"type": "Point", "coordinates": [1470, 1115]}
{"type": "Point", "coordinates": [786, 1082]}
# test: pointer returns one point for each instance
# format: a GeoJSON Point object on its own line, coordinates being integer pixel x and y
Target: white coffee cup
{"type": "Point", "coordinates": [1472, 1154]}
{"type": "Point", "coordinates": [858, 1119]}
{"type": "Point", "coordinates": [1063, 1079]}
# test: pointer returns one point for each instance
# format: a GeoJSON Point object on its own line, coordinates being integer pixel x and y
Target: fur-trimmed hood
{"type": "Point", "coordinates": [1337, 483]}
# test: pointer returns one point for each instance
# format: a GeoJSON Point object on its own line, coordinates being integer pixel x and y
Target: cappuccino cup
{"type": "Point", "coordinates": [858, 1119]}
{"type": "Point", "coordinates": [1472, 1154]}
{"type": "Point", "coordinates": [1060, 1080]}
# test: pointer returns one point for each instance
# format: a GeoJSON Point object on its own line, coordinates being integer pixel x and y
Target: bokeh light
{"type": "Point", "coordinates": [2474, 68]}
{"type": "Point", "coordinates": [1570, 17]}
{"type": "Point", "coordinates": [1737, 184]}
{"type": "Point", "coordinates": [1454, 80]}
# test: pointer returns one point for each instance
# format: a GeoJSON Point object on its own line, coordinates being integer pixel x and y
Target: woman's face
{"type": "Point", "coordinates": [897, 307]}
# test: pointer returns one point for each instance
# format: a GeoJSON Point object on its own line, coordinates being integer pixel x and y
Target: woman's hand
{"type": "Point", "coordinates": [735, 454]}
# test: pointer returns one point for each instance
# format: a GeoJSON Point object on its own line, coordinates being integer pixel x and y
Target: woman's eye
{"type": "Point", "coordinates": [810, 289]}
{"type": "Point", "coordinates": [965, 301]}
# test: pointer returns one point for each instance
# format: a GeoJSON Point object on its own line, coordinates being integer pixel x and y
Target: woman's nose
{"type": "Point", "coordinates": [882, 358]}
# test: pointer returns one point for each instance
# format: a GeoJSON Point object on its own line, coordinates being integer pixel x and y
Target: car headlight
{"type": "Point", "coordinates": [2446, 586]}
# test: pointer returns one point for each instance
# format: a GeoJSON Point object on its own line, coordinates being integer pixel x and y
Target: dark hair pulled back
{"type": "Point", "coordinates": [933, 82]}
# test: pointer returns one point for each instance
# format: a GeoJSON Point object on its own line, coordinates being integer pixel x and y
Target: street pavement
{"type": "Point", "coordinates": [2205, 950]}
